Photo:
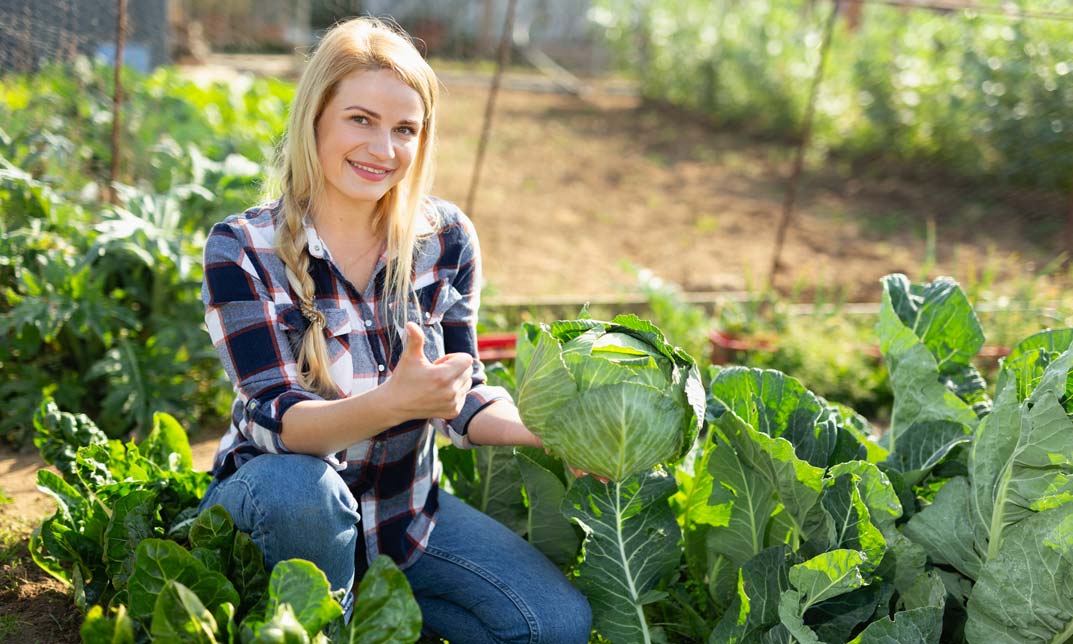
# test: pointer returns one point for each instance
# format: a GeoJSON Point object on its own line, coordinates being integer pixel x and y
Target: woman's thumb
{"type": "Point", "coordinates": [415, 342]}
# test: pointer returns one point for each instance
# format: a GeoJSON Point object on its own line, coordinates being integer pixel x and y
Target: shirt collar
{"type": "Point", "coordinates": [317, 248]}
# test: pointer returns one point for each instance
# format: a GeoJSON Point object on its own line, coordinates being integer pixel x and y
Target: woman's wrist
{"type": "Point", "coordinates": [499, 424]}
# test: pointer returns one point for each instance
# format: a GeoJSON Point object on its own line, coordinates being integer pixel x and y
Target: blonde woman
{"type": "Point", "coordinates": [344, 312]}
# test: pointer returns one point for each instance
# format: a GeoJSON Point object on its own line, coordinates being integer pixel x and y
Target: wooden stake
{"type": "Point", "coordinates": [799, 157]}
{"type": "Point", "coordinates": [1069, 228]}
{"type": "Point", "coordinates": [505, 41]}
{"type": "Point", "coordinates": [117, 97]}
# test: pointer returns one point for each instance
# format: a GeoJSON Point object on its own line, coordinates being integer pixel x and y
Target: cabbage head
{"type": "Point", "coordinates": [611, 398]}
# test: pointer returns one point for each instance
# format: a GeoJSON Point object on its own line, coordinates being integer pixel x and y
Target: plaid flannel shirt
{"type": "Point", "coordinates": [255, 324]}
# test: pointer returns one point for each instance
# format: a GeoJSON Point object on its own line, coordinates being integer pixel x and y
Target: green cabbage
{"type": "Point", "coordinates": [611, 398]}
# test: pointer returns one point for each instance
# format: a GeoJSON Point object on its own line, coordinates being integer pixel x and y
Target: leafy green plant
{"type": "Point", "coordinates": [127, 536]}
{"type": "Point", "coordinates": [612, 398]}
{"type": "Point", "coordinates": [101, 303]}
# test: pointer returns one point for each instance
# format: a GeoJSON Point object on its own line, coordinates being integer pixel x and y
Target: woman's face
{"type": "Point", "coordinates": [367, 137]}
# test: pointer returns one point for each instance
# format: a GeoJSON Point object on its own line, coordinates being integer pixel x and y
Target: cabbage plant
{"type": "Point", "coordinates": [611, 398]}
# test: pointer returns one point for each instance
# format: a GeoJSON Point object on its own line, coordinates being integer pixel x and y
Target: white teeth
{"type": "Point", "coordinates": [367, 168]}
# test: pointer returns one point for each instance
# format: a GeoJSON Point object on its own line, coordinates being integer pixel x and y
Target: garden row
{"type": "Point", "coordinates": [784, 521]}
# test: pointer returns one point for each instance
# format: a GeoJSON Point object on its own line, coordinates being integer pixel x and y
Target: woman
{"type": "Point", "coordinates": [344, 313]}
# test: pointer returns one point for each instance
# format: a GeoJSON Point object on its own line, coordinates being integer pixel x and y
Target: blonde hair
{"type": "Point", "coordinates": [358, 44]}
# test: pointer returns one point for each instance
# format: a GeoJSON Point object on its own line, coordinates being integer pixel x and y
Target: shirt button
{"type": "Point", "coordinates": [368, 323]}
{"type": "Point", "coordinates": [380, 368]}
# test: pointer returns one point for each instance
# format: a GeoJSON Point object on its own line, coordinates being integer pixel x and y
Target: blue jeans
{"type": "Point", "coordinates": [476, 583]}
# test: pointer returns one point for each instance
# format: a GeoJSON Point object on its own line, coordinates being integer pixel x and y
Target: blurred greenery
{"type": "Point", "coordinates": [964, 94]}
{"type": "Point", "coordinates": [100, 303]}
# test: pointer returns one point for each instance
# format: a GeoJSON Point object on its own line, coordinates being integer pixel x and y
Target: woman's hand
{"type": "Point", "coordinates": [422, 389]}
{"type": "Point", "coordinates": [499, 424]}
{"type": "Point", "coordinates": [578, 473]}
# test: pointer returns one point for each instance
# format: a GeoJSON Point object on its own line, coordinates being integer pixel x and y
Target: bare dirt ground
{"type": "Point", "coordinates": [574, 191]}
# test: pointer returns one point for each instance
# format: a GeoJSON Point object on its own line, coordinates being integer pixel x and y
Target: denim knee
{"type": "Point", "coordinates": [305, 491]}
{"type": "Point", "coordinates": [294, 506]}
{"type": "Point", "coordinates": [565, 619]}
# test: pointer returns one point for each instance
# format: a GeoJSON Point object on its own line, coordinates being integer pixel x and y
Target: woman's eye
{"type": "Point", "coordinates": [359, 119]}
{"type": "Point", "coordinates": [407, 130]}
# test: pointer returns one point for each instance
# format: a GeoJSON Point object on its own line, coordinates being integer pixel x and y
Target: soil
{"type": "Point", "coordinates": [574, 193]}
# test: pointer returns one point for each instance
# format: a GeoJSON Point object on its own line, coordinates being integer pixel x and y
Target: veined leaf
{"type": "Point", "coordinates": [772, 462]}
{"type": "Point", "coordinates": [385, 611]}
{"type": "Point", "coordinates": [917, 626]}
{"type": "Point", "coordinates": [945, 528]}
{"type": "Point", "coordinates": [1022, 460]}
{"type": "Point", "coordinates": [500, 486]}
{"type": "Point", "coordinates": [923, 445]}
{"type": "Point", "coordinates": [304, 587]}
{"type": "Point", "coordinates": [630, 544]}
{"type": "Point", "coordinates": [1029, 359]}
{"type": "Point", "coordinates": [919, 396]}
{"type": "Point", "coordinates": [779, 406]}
{"type": "Point", "coordinates": [179, 617]}
{"type": "Point", "coordinates": [1025, 592]}
{"type": "Point", "coordinates": [761, 582]}
{"type": "Point", "coordinates": [132, 520]}
{"type": "Point", "coordinates": [248, 572]}
{"type": "Point", "coordinates": [157, 562]}
{"type": "Point", "coordinates": [167, 445]}
{"type": "Point", "coordinates": [827, 575]}
{"type": "Point", "coordinates": [546, 527]}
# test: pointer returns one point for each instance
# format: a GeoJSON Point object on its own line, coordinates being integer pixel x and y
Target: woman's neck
{"type": "Point", "coordinates": [346, 226]}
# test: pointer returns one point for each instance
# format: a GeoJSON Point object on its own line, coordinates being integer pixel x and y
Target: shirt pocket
{"type": "Point", "coordinates": [337, 329]}
{"type": "Point", "coordinates": [435, 300]}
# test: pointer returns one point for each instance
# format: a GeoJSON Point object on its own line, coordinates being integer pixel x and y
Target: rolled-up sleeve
{"type": "Point", "coordinates": [242, 320]}
{"type": "Point", "coordinates": [460, 334]}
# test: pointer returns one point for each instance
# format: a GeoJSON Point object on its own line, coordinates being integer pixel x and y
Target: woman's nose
{"type": "Point", "coordinates": [380, 146]}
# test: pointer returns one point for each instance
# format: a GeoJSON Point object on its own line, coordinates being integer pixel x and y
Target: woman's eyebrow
{"type": "Point", "coordinates": [377, 116]}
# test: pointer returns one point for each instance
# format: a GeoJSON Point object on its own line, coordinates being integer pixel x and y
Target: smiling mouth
{"type": "Point", "coordinates": [368, 168]}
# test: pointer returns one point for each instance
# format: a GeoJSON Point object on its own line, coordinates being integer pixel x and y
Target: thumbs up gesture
{"type": "Point", "coordinates": [422, 389]}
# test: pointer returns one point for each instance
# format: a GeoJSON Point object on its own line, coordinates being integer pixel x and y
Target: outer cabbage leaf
{"type": "Point", "coordinates": [772, 463]}
{"type": "Point", "coordinates": [945, 528]}
{"type": "Point", "coordinates": [761, 582]}
{"type": "Point", "coordinates": [1022, 459]}
{"type": "Point", "coordinates": [779, 406]}
{"type": "Point", "coordinates": [1029, 359]}
{"type": "Point", "coordinates": [919, 396]}
{"type": "Point", "coordinates": [916, 626]}
{"type": "Point", "coordinates": [1025, 593]}
{"type": "Point", "coordinates": [546, 527]}
{"type": "Point", "coordinates": [631, 543]}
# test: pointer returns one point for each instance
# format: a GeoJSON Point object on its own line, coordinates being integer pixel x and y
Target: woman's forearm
{"type": "Point", "coordinates": [321, 427]}
{"type": "Point", "coordinates": [499, 424]}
